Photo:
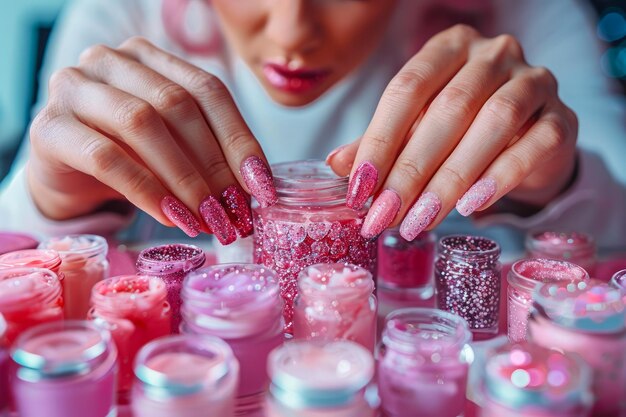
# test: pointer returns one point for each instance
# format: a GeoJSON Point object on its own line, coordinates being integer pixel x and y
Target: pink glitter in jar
{"type": "Point", "coordinates": [525, 277]}
{"type": "Point", "coordinates": [309, 225]}
{"type": "Point", "coordinates": [577, 248]}
{"type": "Point", "coordinates": [335, 302]}
{"type": "Point", "coordinates": [171, 263]}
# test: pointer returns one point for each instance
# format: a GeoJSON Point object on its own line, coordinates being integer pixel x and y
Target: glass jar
{"type": "Point", "coordinates": [185, 376]}
{"type": "Point", "coordinates": [171, 263]}
{"type": "Point", "coordinates": [618, 280]}
{"type": "Point", "coordinates": [4, 368]}
{"type": "Point", "coordinates": [406, 266]}
{"type": "Point", "coordinates": [84, 262]}
{"type": "Point", "coordinates": [467, 278]}
{"type": "Point", "coordinates": [526, 380]}
{"type": "Point", "coordinates": [586, 318]}
{"type": "Point", "coordinates": [524, 278]}
{"type": "Point", "coordinates": [28, 297]}
{"type": "Point", "coordinates": [335, 302]}
{"type": "Point", "coordinates": [240, 304]}
{"type": "Point", "coordinates": [423, 363]}
{"type": "Point", "coordinates": [65, 369]}
{"type": "Point", "coordinates": [577, 248]}
{"type": "Point", "coordinates": [310, 379]}
{"type": "Point", "coordinates": [309, 225]}
{"type": "Point", "coordinates": [34, 258]}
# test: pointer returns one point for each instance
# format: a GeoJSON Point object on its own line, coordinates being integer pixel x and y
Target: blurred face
{"type": "Point", "coordinates": [298, 49]}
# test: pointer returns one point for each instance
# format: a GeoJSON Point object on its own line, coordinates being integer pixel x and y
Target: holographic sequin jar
{"type": "Point", "coordinates": [310, 224]}
{"type": "Point", "coordinates": [577, 248]}
{"type": "Point", "coordinates": [467, 280]}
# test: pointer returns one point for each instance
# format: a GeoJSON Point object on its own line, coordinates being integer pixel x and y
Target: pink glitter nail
{"type": "Point", "coordinates": [180, 215]}
{"type": "Point", "coordinates": [361, 185]}
{"type": "Point", "coordinates": [258, 179]}
{"type": "Point", "coordinates": [216, 218]}
{"type": "Point", "coordinates": [420, 216]}
{"type": "Point", "coordinates": [238, 209]}
{"type": "Point", "coordinates": [476, 196]}
{"type": "Point", "coordinates": [381, 214]}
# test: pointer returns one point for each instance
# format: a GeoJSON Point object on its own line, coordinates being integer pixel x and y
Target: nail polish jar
{"type": "Point", "coordinates": [84, 262]}
{"type": "Point", "coordinates": [467, 280]}
{"type": "Point", "coordinates": [423, 363]}
{"type": "Point", "coordinates": [65, 369]}
{"type": "Point", "coordinates": [335, 302]}
{"type": "Point", "coordinates": [618, 280]}
{"type": "Point", "coordinates": [310, 224]}
{"type": "Point", "coordinates": [134, 309]}
{"type": "Point", "coordinates": [240, 304]}
{"type": "Point", "coordinates": [406, 266]}
{"type": "Point", "coordinates": [4, 368]}
{"type": "Point", "coordinates": [577, 248]}
{"type": "Point", "coordinates": [34, 258]}
{"type": "Point", "coordinates": [310, 379]}
{"type": "Point", "coordinates": [28, 297]}
{"type": "Point", "coordinates": [185, 376]}
{"type": "Point", "coordinates": [171, 263]}
{"type": "Point", "coordinates": [526, 380]}
{"type": "Point", "coordinates": [524, 278]}
{"type": "Point", "coordinates": [586, 318]}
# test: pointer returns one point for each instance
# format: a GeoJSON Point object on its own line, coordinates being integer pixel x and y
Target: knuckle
{"type": "Point", "coordinates": [64, 78]}
{"type": "Point", "coordinates": [135, 42]}
{"type": "Point", "coordinates": [215, 166]}
{"type": "Point", "coordinates": [94, 54]}
{"type": "Point", "coordinates": [190, 180]}
{"type": "Point", "coordinates": [558, 132]}
{"type": "Point", "coordinates": [172, 96]}
{"type": "Point", "coordinates": [135, 114]}
{"type": "Point", "coordinates": [507, 110]}
{"type": "Point", "coordinates": [409, 82]}
{"type": "Point", "coordinates": [507, 45]}
{"type": "Point", "coordinates": [452, 176]}
{"type": "Point", "coordinates": [463, 32]}
{"type": "Point", "coordinates": [235, 141]}
{"type": "Point", "coordinates": [205, 83]}
{"type": "Point", "coordinates": [101, 155]}
{"type": "Point", "coordinates": [138, 184]}
{"type": "Point", "coordinates": [377, 142]}
{"type": "Point", "coordinates": [409, 170]}
{"type": "Point", "coordinates": [456, 102]}
{"type": "Point", "coordinates": [517, 166]}
{"type": "Point", "coordinates": [545, 76]}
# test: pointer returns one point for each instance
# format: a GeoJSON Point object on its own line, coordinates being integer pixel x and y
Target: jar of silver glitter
{"type": "Point", "coordinates": [467, 280]}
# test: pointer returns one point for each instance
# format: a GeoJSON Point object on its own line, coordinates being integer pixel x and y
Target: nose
{"type": "Point", "coordinates": [291, 25]}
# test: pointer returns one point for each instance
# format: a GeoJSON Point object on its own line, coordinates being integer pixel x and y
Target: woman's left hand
{"type": "Point", "coordinates": [466, 121]}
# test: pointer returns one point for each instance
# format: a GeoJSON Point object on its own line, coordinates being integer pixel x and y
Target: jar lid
{"type": "Point", "coordinates": [523, 375]}
{"type": "Point", "coordinates": [34, 258]}
{"type": "Point", "coordinates": [20, 287]}
{"type": "Point", "coordinates": [591, 306]}
{"type": "Point", "coordinates": [86, 245]}
{"type": "Point", "coordinates": [168, 259]}
{"type": "Point", "coordinates": [316, 375]}
{"type": "Point", "coordinates": [469, 247]}
{"type": "Point", "coordinates": [10, 242]}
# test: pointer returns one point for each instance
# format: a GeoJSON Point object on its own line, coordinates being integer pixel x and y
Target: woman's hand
{"type": "Point", "coordinates": [466, 121]}
{"type": "Point", "coordinates": [139, 124]}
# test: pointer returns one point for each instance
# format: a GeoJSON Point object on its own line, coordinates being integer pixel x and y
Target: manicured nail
{"type": "Point", "coordinates": [476, 196]}
{"type": "Point", "coordinates": [180, 215]}
{"type": "Point", "coordinates": [381, 214]}
{"type": "Point", "coordinates": [238, 209]}
{"type": "Point", "coordinates": [332, 154]}
{"type": "Point", "coordinates": [420, 216]}
{"type": "Point", "coordinates": [258, 179]}
{"type": "Point", "coordinates": [216, 218]}
{"type": "Point", "coordinates": [361, 185]}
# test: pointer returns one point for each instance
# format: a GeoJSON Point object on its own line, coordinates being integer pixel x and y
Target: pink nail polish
{"type": "Point", "coordinates": [216, 218]}
{"type": "Point", "coordinates": [476, 196]}
{"type": "Point", "coordinates": [238, 209]}
{"type": "Point", "coordinates": [334, 152]}
{"type": "Point", "coordinates": [420, 216]}
{"type": "Point", "coordinates": [361, 185]}
{"type": "Point", "coordinates": [381, 214]}
{"type": "Point", "coordinates": [180, 215]}
{"type": "Point", "coordinates": [258, 179]}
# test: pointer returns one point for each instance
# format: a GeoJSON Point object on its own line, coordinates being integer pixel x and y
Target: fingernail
{"type": "Point", "coordinates": [476, 196]}
{"type": "Point", "coordinates": [361, 185]}
{"type": "Point", "coordinates": [332, 154]}
{"type": "Point", "coordinates": [180, 215]}
{"type": "Point", "coordinates": [238, 209]}
{"type": "Point", "coordinates": [381, 214]}
{"type": "Point", "coordinates": [420, 216]}
{"type": "Point", "coordinates": [217, 219]}
{"type": "Point", "coordinates": [258, 179]}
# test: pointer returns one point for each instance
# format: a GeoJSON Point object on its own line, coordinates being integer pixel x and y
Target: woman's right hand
{"type": "Point", "coordinates": [138, 124]}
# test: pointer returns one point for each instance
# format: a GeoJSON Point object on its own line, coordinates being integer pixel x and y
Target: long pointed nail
{"type": "Point", "coordinates": [180, 215]}
{"type": "Point", "coordinates": [238, 209]}
{"type": "Point", "coordinates": [381, 214]}
{"type": "Point", "coordinates": [420, 216]}
{"type": "Point", "coordinates": [216, 218]}
{"type": "Point", "coordinates": [361, 185]}
{"type": "Point", "coordinates": [334, 152]}
{"type": "Point", "coordinates": [476, 196]}
{"type": "Point", "coordinates": [258, 179]}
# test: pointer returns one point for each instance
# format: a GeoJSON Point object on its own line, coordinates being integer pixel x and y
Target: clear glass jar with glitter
{"type": "Point", "coordinates": [577, 248]}
{"type": "Point", "coordinates": [531, 381]}
{"type": "Point", "coordinates": [467, 280]}
{"type": "Point", "coordinates": [241, 304]}
{"type": "Point", "coordinates": [423, 363]}
{"type": "Point", "coordinates": [618, 280]}
{"type": "Point", "coordinates": [309, 225]}
{"type": "Point", "coordinates": [524, 277]}
{"type": "Point", "coordinates": [34, 258]}
{"type": "Point", "coordinates": [586, 318]}
{"type": "Point", "coordinates": [335, 302]}
{"type": "Point", "coordinates": [171, 263]}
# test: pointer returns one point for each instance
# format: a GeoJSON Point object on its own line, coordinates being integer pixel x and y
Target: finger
{"type": "Point", "coordinates": [242, 151]}
{"type": "Point", "coordinates": [403, 99]}
{"type": "Point", "coordinates": [340, 159]}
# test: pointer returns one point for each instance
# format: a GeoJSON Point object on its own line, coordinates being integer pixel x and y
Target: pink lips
{"type": "Point", "coordinates": [299, 80]}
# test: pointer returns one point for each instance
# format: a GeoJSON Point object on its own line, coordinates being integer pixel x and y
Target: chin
{"type": "Point", "coordinates": [292, 100]}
